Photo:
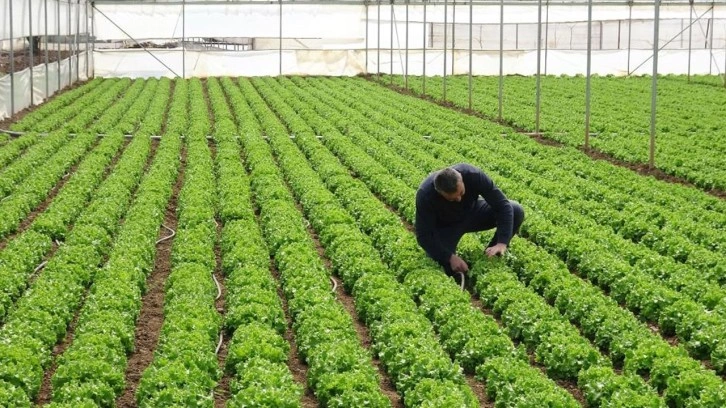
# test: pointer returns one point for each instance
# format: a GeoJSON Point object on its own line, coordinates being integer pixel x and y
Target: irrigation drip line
{"type": "Point", "coordinates": [167, 237]}
{"type": "Point", "coordinates": [335, 284]}
{"type": "Point", "coordinates": [219, 345]}
{"type": "Point", "coordinates": [219, 288]}
{"type": "Point", "coordinates": [39, 267]}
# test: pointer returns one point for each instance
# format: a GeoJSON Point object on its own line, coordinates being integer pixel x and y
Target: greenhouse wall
{"type": "Point", "coordinates": [215, 38]}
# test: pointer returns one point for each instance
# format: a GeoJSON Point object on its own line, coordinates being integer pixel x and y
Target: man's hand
{"type": "Point", "coordinates": [498, 249]}
{"type": "Point", "coordinates": [457, 264]}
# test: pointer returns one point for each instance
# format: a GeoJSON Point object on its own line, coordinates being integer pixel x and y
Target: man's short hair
{"type": "Point", "coordinates": [446, 180]}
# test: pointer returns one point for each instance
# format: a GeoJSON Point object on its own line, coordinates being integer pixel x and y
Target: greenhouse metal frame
{"type": "Point", "coordinates": [76, 29]}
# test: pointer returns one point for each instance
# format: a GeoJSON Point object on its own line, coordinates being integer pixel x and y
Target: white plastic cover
{"type": "Point", "coordinates": [45, 84]}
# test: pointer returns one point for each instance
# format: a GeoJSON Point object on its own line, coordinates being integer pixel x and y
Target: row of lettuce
{"type": "Point", "coordinates": [185, 370]}
{"type": "Point", "coordinates": [387, 295]}
{"type": "Point", "coordinates": [689, 140]}
{"type": "Point", "coordinates": [433, 297]}
{"type": "Point", "coordinates": [676, 297]}
{"type": "Point", "coordinates": [39, 319]}
{"type": "Point", "coordinates": [26, 250]}
{"type": "Point", "coordinates": [708, 386]}
{"type": "Point", "coordinates": [663, 288]}
{"type": "Point", "coordinates": [650, 216]}
{"type": "Point", "coordinates": [254, 315]}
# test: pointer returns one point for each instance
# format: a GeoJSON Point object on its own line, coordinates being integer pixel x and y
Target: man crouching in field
{"type": "Point", "coordinates": [457, 200]}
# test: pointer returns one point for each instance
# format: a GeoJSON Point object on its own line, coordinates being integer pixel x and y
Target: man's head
{"type": "Point", "coordinates": [449, 184]}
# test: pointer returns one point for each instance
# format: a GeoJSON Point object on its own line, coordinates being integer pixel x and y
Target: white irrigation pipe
{"type": "Point", "coordinates": [462, 280]}
{"type": "Point", "coordinates": [167, 237]}
{"type": "Point", "coordinates": [219, 345]}
{"type": "Point", "coordinates": [335, 283]}
{"type": "Point", "coordinates": [219, 288]}
{"type": "Point", "coordinates": [39, 267]}
{"type": "Point", "coordinates": [58, 242]}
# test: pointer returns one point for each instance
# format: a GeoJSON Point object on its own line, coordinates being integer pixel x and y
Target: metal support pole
{"type": "Point", "coordinates": [378, 49]}
{"type": "Point", "coordinates": [690, 30]}
{"type": "Point", "coordinates": [425, 40]}
{"type": "Point", "coordinates": [405, 74]}
{"type": "Point", "coordinates": [453, 39]}
{"type": "Point", "coordinates": [630, 30]}
{"type": "Point", "coordinates": [280, 51]}
{"type": "Point", "coordinates": [47, 84]}
{"type": "Point", "coordinates": [32, 51]}
{"type": "Point", "coordinates": [70, 46]}
{"type": "Point", "coordinates": [446, 31]}
{"type": "Point", "coordinates": [88, 39]}
{"type": "Point", "coordinates": [547, 34]}
{"type": "Point", "coordinates": [587, 80]}
{"type": "Point", "coordinates": [367, 21]}
{"type": "Point", "coordinates": [471, 31]}
{"type": "Point", "coordinates": [390, 51]}
{"type": "Point", "coordinates": [78, 29]}
{"type": "Point", "coordinates": [539, 63]}
{"type": "Point", "coordinates": [501, 56]}
{"type": "Point", "coordinates": [57, 42]}
{"type": "Point", "coordinates": [12, 62]}
{"type": "Point", "coordinates": [710, 43]}
{"type": "Point", "coordinates": [654, 87]}
{"type": "Point", "coordinates": [93, 33]}
{"type": "Point", "coordinates": [516, 36]}
{"type": "Point", "coordinates": [184, 39]}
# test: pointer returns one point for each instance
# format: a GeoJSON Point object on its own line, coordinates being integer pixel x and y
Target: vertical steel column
{"type": "Point", "coordinates": [425, 40]}
{"type": "Point", "coordinates": [405, 74]}
{"type": "Point", "coordinates": [32, 52]}
{"type": "Point", "coordinates": [88, 39]}
{"type": "Point", "coordinates": [57, 42]}
{"type": "Point", "coordinates": [184, 39]}
{"type": "Point", "coordinates": [587, 80]}
{"type": "Point", "coordinates": [78, 29]}
{"type": "Point", "coordinates": [710, 43]}
{"type": "Point", "coordinates": [280, 50]}
{"type": "Point", "coordinates": [630, 30]}
{"type": "Point", "coordinates": [378, 49]}
{"type": "Point", "coordinates": [12, 61]}
{"type": "Point", "coordinates": [539, 63]}
{"type": "Point", "coordinates": [47, 85]}
{"type": "Point", "coordinates": [446, 9]}
{"type": "Point", "coordinates": [547, 34]}
{"type": "Point", "coordinates": [516, 36]}
{"type": "Point", "coordinates": [690, 30]}
{"type": "Point", "coordinates": [367, 21]}
{"type": "Point", "coordinates": [501, 55]}
{"type": "Point", "coordinates": [654, 87]}
{"type": "Point", "coordinates": [70, 46]}
{"type": "Point", "coordinates": [390, 51]}
{"type": "Point", "coordinates": [471, 31]}
{"type": "Point", "coordinates": [93, 34]}
{"type": "Point", "coordinates": [453, 38]}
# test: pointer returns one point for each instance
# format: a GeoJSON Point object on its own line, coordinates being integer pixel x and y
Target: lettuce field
{"type": "Point", "coordinates": [248, 242]}
{"type": "Point", "coordinates": [690, 137]}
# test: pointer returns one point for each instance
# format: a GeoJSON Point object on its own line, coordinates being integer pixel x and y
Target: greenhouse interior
{"type": "Point", "coordinates": [352, 203]}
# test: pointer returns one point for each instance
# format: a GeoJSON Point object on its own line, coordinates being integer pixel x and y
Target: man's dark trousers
{"type": "Point", "coordinates": [480, 218]}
